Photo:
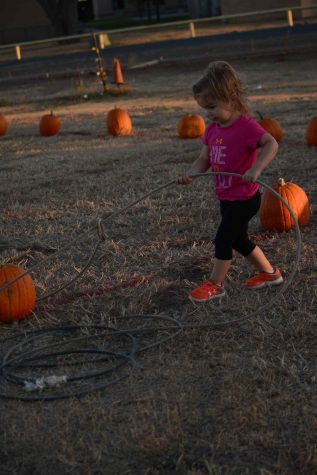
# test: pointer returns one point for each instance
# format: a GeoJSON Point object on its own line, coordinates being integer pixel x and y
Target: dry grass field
{"type": "Point", "coordinates": [224, 388]}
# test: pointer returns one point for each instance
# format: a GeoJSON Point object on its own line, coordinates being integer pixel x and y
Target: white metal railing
{"type": "Point", "coordinates": [104, 36]}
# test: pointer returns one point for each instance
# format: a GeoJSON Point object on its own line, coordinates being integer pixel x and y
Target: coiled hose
{"type": "Point", "coordinates": [17, 357]}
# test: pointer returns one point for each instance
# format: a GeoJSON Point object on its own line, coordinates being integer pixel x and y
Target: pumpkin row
{"type": "Point", "coordinates": [190, 125]}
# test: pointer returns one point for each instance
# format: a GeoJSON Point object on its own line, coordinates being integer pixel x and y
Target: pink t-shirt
{"type": "Point", "coordinates": [233, 149]}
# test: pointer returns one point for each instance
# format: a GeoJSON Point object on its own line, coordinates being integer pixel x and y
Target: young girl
{"type": "Point", "coordinates": [233, 142]}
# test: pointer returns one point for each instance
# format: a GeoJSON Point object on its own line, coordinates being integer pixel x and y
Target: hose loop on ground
{"type": "Point", "coordinates": [19, 356]}
{"type": "Point", "coordinates": [102, 236]}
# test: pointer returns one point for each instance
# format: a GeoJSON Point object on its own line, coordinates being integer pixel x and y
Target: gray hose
{"type": "Point", "coordinates": [285, 285]}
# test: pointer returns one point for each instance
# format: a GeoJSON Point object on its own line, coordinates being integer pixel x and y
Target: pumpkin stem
{"type": "Point", "coordinates": [281, 182]}
{"type": "Point", "coordinates": [260, 115]}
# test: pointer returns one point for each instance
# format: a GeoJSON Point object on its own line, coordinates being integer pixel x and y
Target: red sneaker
{"type": "Point", "coordinates": [264, 279]}
{"type": "Point", "coordinates": [207, 291]}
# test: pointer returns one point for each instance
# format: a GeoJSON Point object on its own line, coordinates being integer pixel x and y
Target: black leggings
{"type": "Point", "coordinates": [233, 229]}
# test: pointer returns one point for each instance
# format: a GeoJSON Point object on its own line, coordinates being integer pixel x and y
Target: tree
{"type": "Point", "coordinates": [63, 15]}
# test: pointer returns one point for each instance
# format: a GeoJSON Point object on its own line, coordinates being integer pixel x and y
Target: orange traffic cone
{"type": "Point", "coordinates": [118, 78]}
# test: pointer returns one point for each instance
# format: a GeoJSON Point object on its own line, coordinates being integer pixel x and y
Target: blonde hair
{"type": "Point", "coordinates": [222, 83]}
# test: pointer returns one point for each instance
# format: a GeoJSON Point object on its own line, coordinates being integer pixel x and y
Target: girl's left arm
{"type": "Point", "coordinates": [268, 147]}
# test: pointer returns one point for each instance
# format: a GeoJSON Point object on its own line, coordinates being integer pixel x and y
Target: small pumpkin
{"type": "Point", "coordinates": [3, 125]}
{"type": "Point", "coordinates": [273, 213]}
{"type": "Point", "coordinates": [49, 125]}
{"type": "Point", "coordinates": [311, 132]}
{"type": "Point", "coordinates": [18, 300]}
{"type": "Point", "coordinates": [119, 122]}
{"type": "Point", "coordinates": [191, 126]}
{"type": "Point", "coordinates": [272, 126]}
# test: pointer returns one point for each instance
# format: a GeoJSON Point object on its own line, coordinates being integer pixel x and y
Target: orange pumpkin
{"type": "Point", "coordinates": [49, 125]}
{"type": "Point", "coordinates": [3, 125]}
{"type": "Point", "coordinates": [119, 122]}
{"type": "Point", "coordinates": [273, 213]}
{"type": "Point", "coordinates": [311, 132]}
{"type": "Point", "coordinates": [18, 300]}
{"type": "Point", "coordinates": [272, 126]}
{"type": "Point", "coordinates": [191, 126]}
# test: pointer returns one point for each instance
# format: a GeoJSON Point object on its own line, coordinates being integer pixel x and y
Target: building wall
{"type": "Point", "coordinates": [23, 20]}
{"type": "Point", "coordinates": [103, 8]}
{"type": "Point", "coordinates": [237, 6]}
{"type": "Point", "coordinates": [230, 7]}
{"type": "Point", "coordinates": [203, 8]}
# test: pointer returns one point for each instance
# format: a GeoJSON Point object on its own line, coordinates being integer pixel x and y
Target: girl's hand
{"type": "Point", "coordinates": [184, 179]}
{"type": "Point", "coordinates": [252, 174]}
{"type": "Point", "coordinates": [268, 147]}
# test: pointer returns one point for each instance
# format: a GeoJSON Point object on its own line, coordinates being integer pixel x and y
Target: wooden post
{"type": "Point", "coordinates": [101, 41]}
{"type": "Point", "coordinates": [192, 30]}
{"type": "Point", "coordinates": [104, 40]}
{"type": "Point", "coordinates": [18, 52]}
{"type": "Point", "coordinates": [290, 18]}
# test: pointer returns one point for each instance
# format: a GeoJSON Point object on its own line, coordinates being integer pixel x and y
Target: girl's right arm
{"type": "Point", "coordinates": [200, 165]}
